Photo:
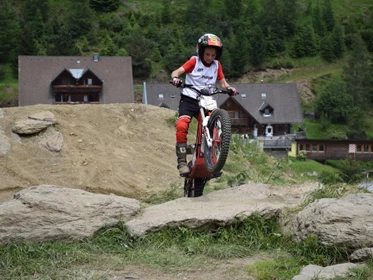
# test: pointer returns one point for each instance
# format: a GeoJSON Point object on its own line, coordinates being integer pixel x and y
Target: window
{"type": "Point", "coordinates": [312, 148]}
{"type": "Point", "coordinates": [243, 95]}
{"type": "Point", "coordinates": [267, 113]}
{"type": "Point", "coordinates": [236, 115]}
{"type": "Point", "coordinates": [89, 81]}
{"type": "Point", "coordinates": [66, 82]}
{"type": "Point", "coordinates": [229, 103]}
{"type": "Point", "coordinates": [160, 96]}
{"type": "Point", "coordinates": [264, 95]}
{"type": "Point", "coordinates": [172, 95]}
{"type": "Point", "coordinates": [363, 148]}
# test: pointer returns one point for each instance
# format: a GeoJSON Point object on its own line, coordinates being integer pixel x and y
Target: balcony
{"type": "Point", "coordinates": [239, 121]}
{"type": "Point", "coordinates": [277, 142]}
{"type": "Point", "coordinates": [76, 88]}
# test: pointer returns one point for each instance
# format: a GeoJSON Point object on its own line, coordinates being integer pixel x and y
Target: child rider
{"type": "Point", "coordinates": [203, 69]}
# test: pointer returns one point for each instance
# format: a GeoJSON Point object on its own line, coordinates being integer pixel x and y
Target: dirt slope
{"type": "Point", "coordinates": [126, 149]}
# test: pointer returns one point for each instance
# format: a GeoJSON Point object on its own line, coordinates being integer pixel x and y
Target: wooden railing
{"type": "Point", "coordinates": [277, 142]}
{"type": "Point", "coordinates": [240, 121]}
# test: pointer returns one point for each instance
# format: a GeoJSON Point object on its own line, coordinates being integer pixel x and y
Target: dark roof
{"type": "Point", "coordinates": [282, 98]}
{"type": "Point", "coordinates": [162, 95]}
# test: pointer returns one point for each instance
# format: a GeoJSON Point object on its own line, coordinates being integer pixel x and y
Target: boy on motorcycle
{"type": "Point", "coordinates": [203, 69]}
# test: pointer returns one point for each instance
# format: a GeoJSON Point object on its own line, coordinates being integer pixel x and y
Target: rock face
{"type": "Point", "coordinates": [35, 123]}
{"type": "Point", "coordinates": [221, 207]}
{"type": "Point", "coordinates": [310, 272]}
{"type": "Point", "coordinates": [347, 221]}
{"type": "Point", "coordinates": [49, 212]}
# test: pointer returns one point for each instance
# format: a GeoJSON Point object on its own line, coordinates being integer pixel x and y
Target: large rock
{"type": "Point", "coordinates": [29, 126]}
{"type": "Point", "coordinates": [4, 143]}
{"type": "Point", "coordinates": [311, 272]}
{"type": "Point", "coordinates": [35, 123]}
{"type": "Point", "coordinates": [50, 212]}
{"type": "Point", "coordinates": [46, 116]}
{"type": "Point", "coordinates": [347, 221]}
{"type": "Point", "coordinates": [221, 207]}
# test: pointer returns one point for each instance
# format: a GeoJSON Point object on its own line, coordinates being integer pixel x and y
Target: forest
{"type": "Point", "coordinates": [161, 35]}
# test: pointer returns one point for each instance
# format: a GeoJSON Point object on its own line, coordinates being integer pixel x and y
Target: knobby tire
{"type": "Point", "coordinates": [194, 187]}
{"type": "Point", "coordinates": [219, 126]}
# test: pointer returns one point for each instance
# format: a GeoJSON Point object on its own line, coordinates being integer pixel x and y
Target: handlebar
{"type": "Point", "coordinates": [205, 90]}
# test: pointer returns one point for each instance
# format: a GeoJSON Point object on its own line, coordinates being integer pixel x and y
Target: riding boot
{"type": "Point", "coordinates": [181, 153]}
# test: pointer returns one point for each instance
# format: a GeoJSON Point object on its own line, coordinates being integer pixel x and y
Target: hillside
{"type": "Point", "coordinates": [125, 149]}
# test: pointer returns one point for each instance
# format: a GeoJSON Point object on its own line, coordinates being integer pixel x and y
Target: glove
{"type": "Point", "coordinates": [233, 91]}
{"type": "Point", "coordinates": [176, 81]}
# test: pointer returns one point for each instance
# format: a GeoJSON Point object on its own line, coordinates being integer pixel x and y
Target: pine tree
{"type": "Point", "coordinates": [356, 73]}
{"type": "Point", "coordinates": [272, 26]}
{"type": "Point", "coordinates": [317, 22]}
{"type": "Point", "coordinates": [327, 49]}
{"type": "Point", "coordinates": [166, 12]}
{"type": "Point", "coordinates": [105, 6]}
{"type": "Point", "coordinates": [328, 15]}
{"type": "Point", "coordinates": [290, 16]}
{"type": "Point", "coordinates": [304, 42]}
{"type": "Point", "coordinates": [252, 11]}
{"type": "Point", "coordinates": [9, 33]}
{"type": "Point", "coordinates": [239, 51]}
{"type": "Point", "coordinates": [258, 50]}
{"type": "Point", "coordinates": [338, 40]}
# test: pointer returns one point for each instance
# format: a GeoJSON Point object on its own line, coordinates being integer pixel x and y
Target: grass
{"type": "Point", "coordinates": [176, 248]}
{"type": "Point", "coordinates": [315, 130]}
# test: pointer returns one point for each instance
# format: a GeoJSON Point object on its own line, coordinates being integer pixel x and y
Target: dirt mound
{"type": "Point", "coordinates": [125, 149]}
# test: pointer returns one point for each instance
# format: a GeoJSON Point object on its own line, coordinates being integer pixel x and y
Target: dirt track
{"type": "Point", "coordinates": [126, 149]}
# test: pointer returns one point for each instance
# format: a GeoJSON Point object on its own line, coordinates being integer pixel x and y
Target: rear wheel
{"type": "Point", "coordinates": [219, 126]}
{"type": "Point", "coordinates": [194, 187]}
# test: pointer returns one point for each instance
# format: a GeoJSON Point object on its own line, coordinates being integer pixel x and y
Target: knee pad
{"type": "Point", "coordinates": [182, 126]}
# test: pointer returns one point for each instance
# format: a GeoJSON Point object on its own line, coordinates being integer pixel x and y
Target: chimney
{"type": "Point", "coordinates": [95, 57]}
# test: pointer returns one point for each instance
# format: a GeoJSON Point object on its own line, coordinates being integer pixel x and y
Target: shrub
{"type": "Point", "coordinates": [329, 178]}
{"type": "Point", "coordinates": [351, 170]}
{"type": "Point", "coordinates": [302, 155]}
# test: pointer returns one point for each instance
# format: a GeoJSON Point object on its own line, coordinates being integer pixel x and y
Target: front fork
{"type": "Point", "coordinates": [206, 137]}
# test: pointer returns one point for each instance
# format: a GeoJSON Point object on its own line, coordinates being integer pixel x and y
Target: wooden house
{"type": "Point", "coordinates": [74, 79]}
{"type": "Point", "coordinates": [338, 149]}
{"type": "Point", "coordinates": [259, 110]}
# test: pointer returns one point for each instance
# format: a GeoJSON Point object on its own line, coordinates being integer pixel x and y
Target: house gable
{"type": "Point", "coordinates": [266, 109]}
{"type": "Point", "coordinates": [76, 86]}
{"type": "Point", "coordinates": [39, 75]}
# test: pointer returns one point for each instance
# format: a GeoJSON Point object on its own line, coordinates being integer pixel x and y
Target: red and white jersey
{"type": "Point", "coordinates": [199, 74]}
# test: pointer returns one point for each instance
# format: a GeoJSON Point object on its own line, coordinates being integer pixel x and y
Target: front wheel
{"type": "Point", "coordinates": [194, 187]}
{"type": "Point", "coordinates": [219, 126]}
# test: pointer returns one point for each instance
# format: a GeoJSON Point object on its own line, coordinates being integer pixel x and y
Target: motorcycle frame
{"type": "Point", "coordinates": [198, 168]}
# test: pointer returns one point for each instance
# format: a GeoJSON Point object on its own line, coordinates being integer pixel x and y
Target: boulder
{"type": "Point", "coordinates": [347, 221]}
{"type": "Point", "coordinates": [49, 212]}
{"type": "Point", "coordinates": [222, 207]}
{"type": "Point", "coordinates": [311, 271]}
